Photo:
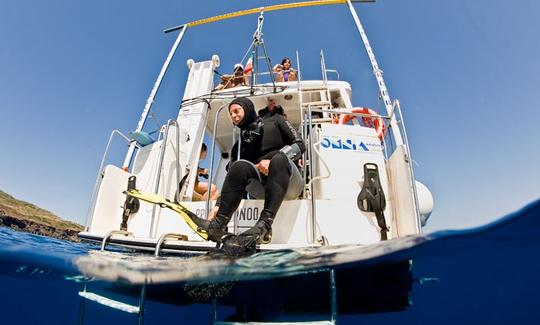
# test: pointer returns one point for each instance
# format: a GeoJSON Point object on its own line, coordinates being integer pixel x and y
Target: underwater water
{"type": "Point", "coordinates": [488, 274]}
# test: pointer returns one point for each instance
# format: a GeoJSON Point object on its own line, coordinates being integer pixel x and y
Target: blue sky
{"type": "Point", "coordinates": [467, 74]}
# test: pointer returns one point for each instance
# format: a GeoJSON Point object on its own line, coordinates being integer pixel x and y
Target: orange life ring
{"type": "Point", "coordinates": [370, 119]}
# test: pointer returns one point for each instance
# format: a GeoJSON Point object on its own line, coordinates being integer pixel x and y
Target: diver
{"type": "Point", "coordinates": [266, 170]}
{"type": "Point", "coordinates": [271, 109]}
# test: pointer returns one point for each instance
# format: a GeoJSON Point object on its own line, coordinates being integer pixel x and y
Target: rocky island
{"type": "Point", "coordinates": [24, 216]}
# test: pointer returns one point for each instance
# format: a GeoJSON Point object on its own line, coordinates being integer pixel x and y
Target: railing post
{"type": "Point", "coordinates": [100, 175]}
{"type": "Point", "coordinates": [311, 175]}
{"type": "Point", "coordinates": [211, 171]}
{"type": "Point", "coordinates": [160, 167]}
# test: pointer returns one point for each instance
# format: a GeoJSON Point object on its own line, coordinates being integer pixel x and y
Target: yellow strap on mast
{"type": "Point", "coordinates": [265, 9]}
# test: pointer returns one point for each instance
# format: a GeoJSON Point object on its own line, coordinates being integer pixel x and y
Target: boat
{"type": "Point", "coordinates": [359, 184]}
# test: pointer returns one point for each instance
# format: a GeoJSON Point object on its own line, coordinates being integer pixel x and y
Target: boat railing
{"type": "Point", "coordinates": [347, 111]}
{"type": "Point", "coordinates": [308, 105]}
{"type": "Point", "coordinates": [238, 91]}
{"type": "Point", "coordinates": [157, 182]}
{"type": "Point", "coordinates": [311, 173]}
{"type": "Point", "coordinates": [305, 120]}
{"type": "Point", "coordinates": [266, 73]}
{"type": "Point", "coordinates": [401, 124]}
{"type": "Point", "coordinates": [333, 71]}
{"type": "Point", "coordinates": [212, 156]}
{"type": "Point", "coordinates": [100, 174]}
{"type": "Point", "coordinates": [132, 142]}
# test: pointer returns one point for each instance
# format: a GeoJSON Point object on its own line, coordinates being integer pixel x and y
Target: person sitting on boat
{"type": "Point", "coordinates": [201, 188]}
{"type": "Point", "coordinates": [265, 169]}
{"type": "Point", "coordinates": [271, 109]}
{"type": "Point", "coordinates": [238, 78]}
{"type": "Point", "coordinates": [284, 71]}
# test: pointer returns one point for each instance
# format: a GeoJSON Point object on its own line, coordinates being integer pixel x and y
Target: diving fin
{"type": "Point", "coordinates": [131, 204]}
{"type": "Point", "coordinates": [238, 246]}
{"type": "Point", "coordinates": [371, 198]}
{"type": "Point", "coordinates": [199, 225]}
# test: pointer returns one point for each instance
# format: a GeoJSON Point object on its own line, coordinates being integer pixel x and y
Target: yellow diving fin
{"type": "Point", "coordinates": [199, 225]}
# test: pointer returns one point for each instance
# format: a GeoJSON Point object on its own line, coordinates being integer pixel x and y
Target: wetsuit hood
{"type": "Point", "coordinates": [250, 116]}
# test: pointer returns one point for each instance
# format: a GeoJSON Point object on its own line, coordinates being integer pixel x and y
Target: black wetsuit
{"type": "Point", "coordinates": [261, 139]}
{"type": "Point", "coordinates": [265, 112]}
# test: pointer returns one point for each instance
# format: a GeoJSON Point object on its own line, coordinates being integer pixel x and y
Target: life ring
{"type": "Point", "coordinates": [370, 119]}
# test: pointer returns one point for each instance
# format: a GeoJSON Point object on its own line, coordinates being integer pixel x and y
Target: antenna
{"type": "Point", "coordinates": [254, 49]}
{"type": "Point", "coordinates": [257, 36]}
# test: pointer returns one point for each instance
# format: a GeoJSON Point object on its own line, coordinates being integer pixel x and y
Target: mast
{"type": "Point", "coordinates": [378, 75]}
{"type": "Point", "coordinates": [152, 95]}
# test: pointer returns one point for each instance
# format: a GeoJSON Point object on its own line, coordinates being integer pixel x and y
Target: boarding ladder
{"type": "Point", "coordinates": [312, 98]}
{"type": "Point", "coordinates": [113, 303]}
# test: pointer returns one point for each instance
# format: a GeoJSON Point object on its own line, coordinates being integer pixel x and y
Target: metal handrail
{"type": "Point", "coordinates": [313, 203]}
{"type": "Point", "coordinates": [264, 73]}
{"type": "Point", "coordinates": [325, 79]}
{"type": "Point", "coordinates": [304, 155]}
{"type": "Point", "coordinates": [160, 165]}
{"type": "Point", "coordinates": [109, 234]}
{"type": "Point", "coordinates": [333, 71]}
{"type": "Point", "coordinates": [100, 175]}
{"type": "Point", "coordinates": [412, 177]}
{"type": "Point", "coordinates": [166, 237]}
{"type": "Point", "coordinates": [328, 171]}
{"type": "Point", "coordinates": [304, 129]}
{"type": "Point", "coordinates": [339, 111]}
{"type": "Point", "coordinates": [211, 171]}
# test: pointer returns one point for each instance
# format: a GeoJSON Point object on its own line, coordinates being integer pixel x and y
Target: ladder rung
{"type": "Point", "coordinates": [318, 103]}
{"type": "Point", "coordinates": [312, 90]}
{"type": "Point", "coordinates": [118, 305]}
{"type": "Point", "coordinates": [321, 120]}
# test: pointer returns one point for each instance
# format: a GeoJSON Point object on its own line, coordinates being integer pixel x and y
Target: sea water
{"type": "Point", "coordinates": [487, 275]}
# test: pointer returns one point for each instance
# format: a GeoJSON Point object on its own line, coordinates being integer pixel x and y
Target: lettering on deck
{"type": "Point", "coordinates": [247, 214]}
{"type": "Point", "coordinates": [244, 214]}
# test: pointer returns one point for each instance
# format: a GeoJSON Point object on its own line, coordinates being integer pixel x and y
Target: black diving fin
{"type": "Point", "coordinates": [238, 245]}
{"type": "Point", "coordinates": [371, 198]}
{"type": "Point", "coordinates": [131, 204]}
